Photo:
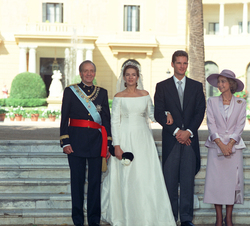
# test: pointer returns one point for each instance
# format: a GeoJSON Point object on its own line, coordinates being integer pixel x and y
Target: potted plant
{"type": "Point", "coordinates": [243, 94]}
{"type": "Point", "coordinates": [2, 114]}
{"type": "Point", "coordinates": [11, 115]}
{"type": "Point", "coordinates": [25, 115]}
{"type": "Point", "coordinates": [51, 115]}
{"type": "Point", "coordinates": [34, 113]}
{"type": "Point", "coordinates": [19, 111]}
{"type": "Point", "coordinates": [43, 115]}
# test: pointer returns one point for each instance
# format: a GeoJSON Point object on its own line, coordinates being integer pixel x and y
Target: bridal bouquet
{"type": "Point", "coordinates": [127, 158]}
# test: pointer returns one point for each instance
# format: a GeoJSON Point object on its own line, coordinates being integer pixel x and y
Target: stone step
{"type": "Point", "coordinates": [34, 185]}
{"type": "Point", "coordinates": [35, 216]}
{"type": "Point", "coordinates": [246, 159]}
{"type": "Point", "coordinates": [245, 205]}
{"type": "Point", "coordinates": [34, 171]}
{"type": "Point", "coordinates": [200, 183]}
{"type": "Point", "coordinates": [203, 149]}
{"type": "Point", "coordinates": [33, 158]}
{"type": "Point", "coordinates": [202, 173]}
{"type": "Point", "coordinates": [207, 216]}
{"type": "Point", "coordinates": [35, 201]}
{"type": "Point", "coordinates": [30, 146]}
{"type": "Point", "coordinates": [63, 216]}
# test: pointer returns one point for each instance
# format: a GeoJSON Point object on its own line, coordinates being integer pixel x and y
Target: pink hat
{"type": "Point", "coordinates": [212, 79]}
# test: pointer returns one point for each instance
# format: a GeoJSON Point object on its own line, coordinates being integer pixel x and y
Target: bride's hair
{"type": "Point", "coordinates": [133, 67]}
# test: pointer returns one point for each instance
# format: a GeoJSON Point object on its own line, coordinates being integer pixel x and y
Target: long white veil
{"type": "Point", "coordinates": [120, 85]}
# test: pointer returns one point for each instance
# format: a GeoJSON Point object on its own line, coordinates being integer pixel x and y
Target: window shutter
{"type": "Point", "coordinates": [60, 12]}
{"type": "Point", "coordinates": [44, 12]}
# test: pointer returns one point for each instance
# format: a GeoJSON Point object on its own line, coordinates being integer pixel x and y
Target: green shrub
{"type": "Point", "coordinates": [27, 89]}
{"type": "Point", "coordinates": [110, 103]}
{"type": "Point", "coordinates": [2, 102]}
{"type": "Point", "coordinates": [25, 102]}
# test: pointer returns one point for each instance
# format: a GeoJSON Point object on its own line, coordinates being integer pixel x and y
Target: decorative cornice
{"type": "Point", "coordinates": [135, 47]}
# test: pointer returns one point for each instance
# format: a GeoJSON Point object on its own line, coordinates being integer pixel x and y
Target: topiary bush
{"type": "Point", "coordinates": [27, 90]}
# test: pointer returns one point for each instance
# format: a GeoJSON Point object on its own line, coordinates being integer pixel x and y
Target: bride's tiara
{"type": "Point", "coordinates": [132, 64]}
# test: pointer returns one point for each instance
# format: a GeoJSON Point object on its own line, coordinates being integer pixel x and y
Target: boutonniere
{"type": "Point", "coordinates": [239, 101]}
{"type": "Point", "coordinates": [127, 158]}
{"type": "Point", "coordinates": [98, 108]}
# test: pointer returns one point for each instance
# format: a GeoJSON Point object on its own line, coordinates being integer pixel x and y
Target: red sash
{"type": "Point", "coordinates": [93, 125]}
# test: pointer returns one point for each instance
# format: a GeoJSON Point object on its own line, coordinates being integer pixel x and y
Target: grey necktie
{"type": "Point", "coordinates": [180, 92]}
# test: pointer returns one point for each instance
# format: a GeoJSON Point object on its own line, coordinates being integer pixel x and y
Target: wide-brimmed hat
{"type": "Point", "coordinates": [213, 79]}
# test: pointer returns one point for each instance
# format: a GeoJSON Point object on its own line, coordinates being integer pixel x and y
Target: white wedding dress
{"type": "Point", "coordinates": [135, 195]}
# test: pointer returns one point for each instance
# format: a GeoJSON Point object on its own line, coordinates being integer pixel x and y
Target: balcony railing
{"type": "Point", "coordinates": [52, 28]}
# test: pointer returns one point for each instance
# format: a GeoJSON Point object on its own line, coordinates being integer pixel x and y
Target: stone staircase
{"type": "Point", "coordinates": [35, 186]}
{"type": "Point", "coordinates": [34, 183]}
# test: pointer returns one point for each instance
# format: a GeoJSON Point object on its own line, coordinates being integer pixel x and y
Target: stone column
{"type": "Point", "coordinates": [221, 21]}
{"type": "Point", "coordinates": [22, 59]}
{"type": "Point", "coordinates": [32, 59]}
{"type": "Point", "coordinates": [89, 53]}
{"type": "Point", "coordinates": [245, 18]}
{"type": "Point", "coordinates": [79, 58]}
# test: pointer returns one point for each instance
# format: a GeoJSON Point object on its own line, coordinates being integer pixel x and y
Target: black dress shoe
{"type": "Point", "coordinates": [187, 223]}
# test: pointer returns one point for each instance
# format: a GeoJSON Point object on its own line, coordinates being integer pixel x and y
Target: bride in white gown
{"type": "Point", "coordinates": [134, 195]}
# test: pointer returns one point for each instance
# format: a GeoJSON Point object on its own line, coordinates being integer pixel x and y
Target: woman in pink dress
{"type": "Point", "coordinates": [226, 115]}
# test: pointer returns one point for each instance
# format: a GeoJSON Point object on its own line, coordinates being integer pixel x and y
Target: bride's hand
{"type": "Point", "coordinates": [118, 152]}
{"type": "Point", "coordinates": [170, 120]}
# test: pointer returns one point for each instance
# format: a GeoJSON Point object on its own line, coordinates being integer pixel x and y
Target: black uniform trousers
{"type": "Point", "coordinates": [77, 176]}
{"type": "Point", "coordinates": [179, 168]}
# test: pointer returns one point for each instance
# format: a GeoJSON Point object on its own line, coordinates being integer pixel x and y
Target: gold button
{"type": "Point", "coordinates": [88, 126]}
{"type": "Point", "coordinates": [88, 113]}
{"type": "Point", "coordinates": [88, 90]}
{"type": "Point", "coordinates": [88, 119]}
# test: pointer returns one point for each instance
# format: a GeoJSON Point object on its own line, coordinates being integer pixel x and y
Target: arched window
{"type": "Point", "coordinates": [211, 68]}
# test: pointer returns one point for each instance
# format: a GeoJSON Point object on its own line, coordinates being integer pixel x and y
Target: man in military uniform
{"type": "Point", "coordinates": [85, 135]}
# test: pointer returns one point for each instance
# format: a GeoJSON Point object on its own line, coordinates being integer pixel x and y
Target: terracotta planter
{"type": "Point", "coordinates": [12, 118]}
{"type": "Point", "coordinates": [18, 117]}
{"type": "Point", "coordinates": [2, 117]}
{"type": "Point", "coordinates": [248, 120]}
{"type": "Point", "coordinates": [23, 119]}
{"type": "Point", "coordinates": [34, 117]}
{"type": "Point", "coordinates": [43, 119]}
{"type": "Point", "coordinates": [52, 118]}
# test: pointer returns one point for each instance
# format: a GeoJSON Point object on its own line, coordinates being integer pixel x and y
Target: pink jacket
{"type": "Point", "coordinates": [224, 129]}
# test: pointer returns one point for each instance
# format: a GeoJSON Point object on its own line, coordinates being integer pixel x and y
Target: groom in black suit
{"type": "Point", "coordinates": [184, 99]}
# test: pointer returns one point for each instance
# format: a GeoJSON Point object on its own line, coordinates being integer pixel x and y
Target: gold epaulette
{"type": "Point", "coordinates": [109, 138]}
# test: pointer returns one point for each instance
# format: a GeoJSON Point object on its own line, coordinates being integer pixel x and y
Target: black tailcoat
{"type": "Point", "coordinates": [167, 99]}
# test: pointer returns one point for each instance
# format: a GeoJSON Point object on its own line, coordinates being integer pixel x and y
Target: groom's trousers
{"type": "Point", "coordinates": [179, 169]}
